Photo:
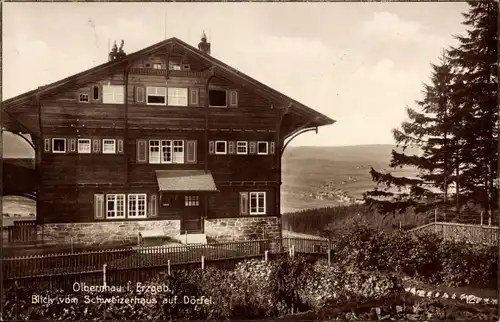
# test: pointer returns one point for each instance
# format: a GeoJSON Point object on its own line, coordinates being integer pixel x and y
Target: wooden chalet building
{"type": "Point", "coordinates": [167, 141]}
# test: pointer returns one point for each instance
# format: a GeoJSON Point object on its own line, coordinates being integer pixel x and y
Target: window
{"type": "Point", "coordinates": [147, 65]}
{"type": "Point", "coordinates": [220, 147]}
{"type": "Point", "coordinates": [156, 95]}
{"type": "Point", "coordinates": [115, 206]}
{"type": "Point", "coordinates": [173, 65]}
{"type": "Point", "coordinates": [113, 94]}
{"type": "Point", "coordinates": [59, 145]}
{"type": "Point", "coordinates": [257, 203]}
{"type": "Point", "coordinates": [95, 93]}
{"type": "Point", "coordinates": [83, 98]}
{"type": "Point", "coordinates": [172, 151]}
{"type": "Point", "coordinates": [177, 96]}
{"type": "Point", "coordinates": [186, 67]}
{"type": "Point", "coordinates": [242, 147]}
{"type": "Point", "coordinates": [154, 151]}
{"type": "Point", "coordinates": [217, 98]}
{"type": "Point", "coordinates": [140, 95]}
{"type": "Point", "coordinates": [84, 146]}
{"type": "Point", "coordinates": [262, 147]}
{"type": "Point", "coordinates": [192, 201]}
{"type": "Point", "coordinates": [178, 155]}
{"type": "Point", "coordinates": [120, 146]}
{"type": "Point", "coordinates": [108, 146]}
{"type": "Point", "coordinates": [157, 66]}
{"type": "Point", "coordinates": [137, 205]}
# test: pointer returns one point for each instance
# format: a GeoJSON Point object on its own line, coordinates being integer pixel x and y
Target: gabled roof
{"type": "Point", "coordinates": [317, 118]}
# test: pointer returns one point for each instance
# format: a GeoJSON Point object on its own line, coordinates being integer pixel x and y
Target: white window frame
{"type": "Point", "coordinates": [115, 198]}
{"type": "Point", "coordinates": [178, 152]}
{"type": "Point", "coordinates": [155, 92]}
{"type": "Point", "coordinates": [83, 95]}
{"type": "Point", "coordinates": [137, 213]}
{"type": "Point", "coordinates": [80, 146]}
{"type": "Point", "coordinates": [176, 148]}
{"type": "Point", "coordinates": [256, 210]}
{"type": "Point", "coordinates": [245, 144]}
{"type": "Point", "coordinates": [113, 94]}
{"type": "Point", "coordinates": [157, 66]}
{"type": "Point", "coordinates": [267, 147]}
{"type": "Point", "coordinates": [107, 143]}
{"type": "Point", "coordinates": [174, 65]}
{"type": "Point", "coordinates": [177, 96]}
{"type": "Point", "coordinates": [53, 145]}
{"type": "Point", "coordinates": [225, 147]}
{"type": "Point", "coordinates": [192, 201]}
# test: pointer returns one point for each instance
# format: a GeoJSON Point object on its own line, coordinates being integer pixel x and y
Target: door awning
{"type": "Point", "coordinates": [185, 180]}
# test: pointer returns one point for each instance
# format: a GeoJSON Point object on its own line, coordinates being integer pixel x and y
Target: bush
{"type": "Point", "coordinates": [425, 256]}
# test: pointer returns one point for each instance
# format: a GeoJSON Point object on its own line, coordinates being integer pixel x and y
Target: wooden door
{"type": "Point", "coordinates": [191, 215]}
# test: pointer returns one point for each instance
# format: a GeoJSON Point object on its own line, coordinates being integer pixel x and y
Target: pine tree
{"type": "Point", "coordinates": [431, 130]}
{"type": "Point", "coordinates": [475, 66]}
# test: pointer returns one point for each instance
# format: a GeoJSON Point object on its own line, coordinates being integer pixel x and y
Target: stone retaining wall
{"type": "Point", "coordinates": [102, 233]}
{"type": "Point", "coordinates": [242, 228]}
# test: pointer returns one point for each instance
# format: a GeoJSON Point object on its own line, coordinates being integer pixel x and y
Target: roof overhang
{"type": "Point", "coordinates": [185, 181]}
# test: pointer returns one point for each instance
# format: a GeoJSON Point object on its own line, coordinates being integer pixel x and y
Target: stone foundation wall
{"type": "Point", "coordinates": [243, 228]}
{"type": "Point", "coordinates": [104, 233]}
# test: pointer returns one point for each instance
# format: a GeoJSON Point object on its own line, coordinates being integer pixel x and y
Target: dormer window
{"type": "Point", "coordinates": [174, 65]}
{"type": "Point", "coordinates": [217, 98]}
{"type": "Point", "coordinates": [83, 98]}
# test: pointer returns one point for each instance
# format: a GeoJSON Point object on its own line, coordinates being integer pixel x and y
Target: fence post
{"type": "Point", "coordinates": [138, 239]}
{"type": "Point", "coordinates": [266, 255]}
{"type": "Point", "coordinates": [202, 262]}
{"type": "Point", "coordinates": [481, 218]}
{"type": "Point", "coordinates": [71, 245]}
{"type": "Point", "coordinates": [104, 274]}
{"type": "Point", "coordinates": [489, 220]}
{"type": "Point", "coordinates": [435, 215]}
{"type": "Point", "coordinates": [168, 267]}
{"type": "Point", "coordinates": [400, 225]}
{"type": "Point", "coordinates": [186, 232]}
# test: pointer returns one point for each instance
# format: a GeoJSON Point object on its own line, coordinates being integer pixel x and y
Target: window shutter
{"type": "Point", "coordinates": [194, 97]}
{"type": "Point", "coordinates": [98, 206]}
{"type": "Point", "coordinates": [142, 151]}
{"type": "Point", "coordinates": [139, 94]}
{"type": "Point", "coordinates": [243, 203]}
{"type": "Point", "coordinates": [107, 94]}
{"type": "Point", "coordinates": [231, 148]}
{"type": "Point", "coordinates": [253, 147]}
{"type": "Point", "coordinates": [120, 146]}
{"type": "Point", "coordinates": [96, 146]}
{"type": "Point", "coordinates": [190, 151]}
{"type": "Point", "coordinates": [153, 207]}
{"type": "Point", "coordinates": [46, 145]}
{"type": "Point", "coordinates": [233, 98]}
{"type": "Point", "coordinates": [211, 147]}
{"type": "Point", "coordinates": [72, 145]}
{"type": "Point", "coordinates": [272, 147]}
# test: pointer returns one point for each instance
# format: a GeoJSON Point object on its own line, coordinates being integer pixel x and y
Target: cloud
{"type": "Point", "coordinates": [387, 26]}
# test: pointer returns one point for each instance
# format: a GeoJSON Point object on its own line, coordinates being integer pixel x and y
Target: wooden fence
{"type": "Point", "coordinates": [476, 234]}
{"type": "Point", "coordinates": [22, 231]}
{"type": "Point", "coordinates": [139, 263]}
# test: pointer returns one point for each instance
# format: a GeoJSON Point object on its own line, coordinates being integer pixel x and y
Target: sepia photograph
{"type": "Point", "coordinates": [304, 161]}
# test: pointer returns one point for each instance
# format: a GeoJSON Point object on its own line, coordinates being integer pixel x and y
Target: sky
{"type": "Point", "coordinates": [358, 63]}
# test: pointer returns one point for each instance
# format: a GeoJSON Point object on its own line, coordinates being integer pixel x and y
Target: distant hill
{"type": "Point", "coordinates": [15, 147]}
{"type": "Point", "coordinates": [327, 176]}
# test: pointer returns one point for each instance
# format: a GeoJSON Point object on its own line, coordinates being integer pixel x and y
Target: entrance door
{"type": "Point", "coordinates": [191, 215]}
